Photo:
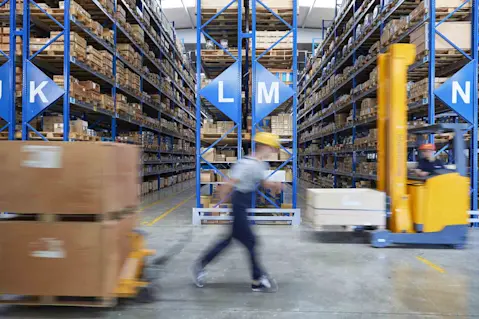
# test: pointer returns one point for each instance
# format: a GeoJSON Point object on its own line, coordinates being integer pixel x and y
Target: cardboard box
{"type": "Point", "coordinates": [460, 31]}
{"type": "Point", "coordinates": [283, 155]}
{"type": "Point", "coordinates": [68, 178]}
{"type": "Point", "coordinates": [205, 201]}
{"type": "Point", "coordinates": [58, 127]}
{"type": "Point", "coordinates": [207, 177]}
{"type": "Point", "coordinates": [347, 199]}
{"type": "Point", "coordinates": [209, 155]}
{"type": "Point", "coordinates": [63, 258]}
{"type": "Point", "coordinates": [78, 126]}
{"type": "Point", "coordinates": [220, 158]}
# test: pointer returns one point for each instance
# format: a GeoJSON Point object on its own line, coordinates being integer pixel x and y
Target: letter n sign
{"type": "Point", "coordinates": [42, 92]}
{"type": "Point", "coordinates": [456, 92]}
{"type": "Point", "coordinates": [271, 92]}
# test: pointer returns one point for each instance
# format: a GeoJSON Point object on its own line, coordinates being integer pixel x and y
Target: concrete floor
{"type": "Point", "coordinates": [320, 276]}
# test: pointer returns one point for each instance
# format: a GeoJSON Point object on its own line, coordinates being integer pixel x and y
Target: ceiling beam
{"type": "Point", "coordinates": [189, 15]}
{"type": "Point", "coordinates": [307, 15]}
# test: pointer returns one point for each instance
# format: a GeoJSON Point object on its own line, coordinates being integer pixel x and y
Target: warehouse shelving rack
{"type": "Point", "coordinates": [244, 32]}
{"type": "Point", "coordinates": [173, 71]}
{"type": "Point", "coordinates": [428, 66]}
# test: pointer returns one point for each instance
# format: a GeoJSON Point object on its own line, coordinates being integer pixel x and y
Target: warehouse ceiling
{"type": "Point", "coordinates": [312, 13]}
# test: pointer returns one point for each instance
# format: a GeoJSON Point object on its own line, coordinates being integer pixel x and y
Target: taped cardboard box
{"type": "Point", "coordinates": [63, 258]}
{"type": "Point", "coordinates": [68, 178]}
{"type": "Point", "coordinates": [460, 31]}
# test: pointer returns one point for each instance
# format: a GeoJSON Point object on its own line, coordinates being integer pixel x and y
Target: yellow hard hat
{"type": "Point", "coordinates": [267, 139]}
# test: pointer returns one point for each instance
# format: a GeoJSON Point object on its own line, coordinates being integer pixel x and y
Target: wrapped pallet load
{"type": "Point", "coordinates": [345, 207]}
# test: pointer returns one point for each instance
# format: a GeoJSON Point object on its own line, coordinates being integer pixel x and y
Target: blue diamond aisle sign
{"type": "Point", "coordinates": [5, 88]}
{"type": "Point", "coordinates": [456, 92]}
{"type": "Point", "coordinates": [271, 92]}
{"type": "Point", "coordinates": [223, 92]}
{"type": "Point", "coordinates": [42, 92]}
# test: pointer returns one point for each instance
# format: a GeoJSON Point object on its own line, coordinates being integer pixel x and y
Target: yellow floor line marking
{"type": "Point", "coordinates": [144, 223]}
{"type": "Point", "coordinates": [430, 264]}
{"type": "Point", "coordinates": [161, 200]}
{"type": "Point", "coordinates": [157, 219]}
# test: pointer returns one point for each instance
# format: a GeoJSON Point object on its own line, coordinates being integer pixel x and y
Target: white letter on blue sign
{"type": "Point", "coordinates": [1, 89]}
{"type": "Point", "coordinates": [465, 94]}
{"type": "Point", "coordinates": [37, 91]}
{"type": "Point", "coordinates": [274, 90]}
{"type": "Point", "coordinates": [221, 94]}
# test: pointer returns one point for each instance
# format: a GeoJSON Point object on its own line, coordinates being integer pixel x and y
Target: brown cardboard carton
{"type": "Point", "coordinates": [68, 178]}
{"type": "Point", "coordinates": [207, 177]}
{"type": "Point", "coordinates": [209, 155]}
{"type": "Point", "coordinates": [78, 126]}
{"type": "Point", "coordinates": [63, 258]}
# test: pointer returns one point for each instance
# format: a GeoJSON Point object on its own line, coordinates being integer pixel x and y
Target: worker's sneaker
{"type": "Point", "coordinates": [264, 284]}
{"type": "Point", "coordinates": [199, 275]}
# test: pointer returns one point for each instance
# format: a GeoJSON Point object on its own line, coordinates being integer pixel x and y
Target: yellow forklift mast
{"type": "Point", "coordinates": [427, 210]}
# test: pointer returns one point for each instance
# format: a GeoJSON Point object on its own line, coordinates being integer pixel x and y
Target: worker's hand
{"type": "Point", "coordinates": [421, 173]}
{"type": "Point", "coordinates": [276, 187]}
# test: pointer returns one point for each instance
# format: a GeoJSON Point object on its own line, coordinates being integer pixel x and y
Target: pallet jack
{"type": "Point", "coordinates": [429, 210]}
{"type": "Point", "coordinates": [140, 274]}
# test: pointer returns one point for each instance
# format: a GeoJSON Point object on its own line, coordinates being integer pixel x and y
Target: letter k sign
{"type": "Point", "coordinates": [42, 92]}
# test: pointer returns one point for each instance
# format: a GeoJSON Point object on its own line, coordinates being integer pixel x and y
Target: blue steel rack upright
{"type": "Point", "coordinates": [426, 67]}
{"type": "Point", "coordinates": [201, 213]}
{"type": "Point", "coordinates": [8, 69]}
{"type": "Point", "coordinates": [168, 64]}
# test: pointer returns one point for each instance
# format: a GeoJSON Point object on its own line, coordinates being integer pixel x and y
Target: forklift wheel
{"type": "Point", "coordinates": [149, 293]}
{"type": "Point", "coordinates": [380, 238]}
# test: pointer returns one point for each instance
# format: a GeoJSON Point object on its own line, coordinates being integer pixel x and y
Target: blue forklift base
{"type": "Point", "coordinates": [453, 235]}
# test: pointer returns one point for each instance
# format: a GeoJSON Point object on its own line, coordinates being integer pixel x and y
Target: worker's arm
{"type": "Point", "coordinates": [421, 173]}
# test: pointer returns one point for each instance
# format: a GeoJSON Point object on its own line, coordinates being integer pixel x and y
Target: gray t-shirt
{"type": "Point", "coordinates": [249, 171]}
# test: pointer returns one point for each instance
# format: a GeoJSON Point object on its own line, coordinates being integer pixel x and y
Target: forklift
{"type": "Point", "coordinates": [431, 210]}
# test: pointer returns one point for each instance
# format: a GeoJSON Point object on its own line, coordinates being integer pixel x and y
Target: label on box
{"type": "Point", "coordinates": [42, 156]}
{"type": "Point", "coordinates": [47, 248]}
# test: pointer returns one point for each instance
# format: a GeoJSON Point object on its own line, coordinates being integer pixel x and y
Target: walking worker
{"type": "Point", "coordinates": [246, 175]}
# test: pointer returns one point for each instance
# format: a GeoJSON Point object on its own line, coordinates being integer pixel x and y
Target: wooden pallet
{"type": "Point", "coordinates": [67, 301]}
{"type": "Point", "coordinates": [418, 98]}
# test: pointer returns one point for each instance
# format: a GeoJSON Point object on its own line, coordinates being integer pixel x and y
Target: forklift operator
{"type": "Point", "coordinates": [428, 163]}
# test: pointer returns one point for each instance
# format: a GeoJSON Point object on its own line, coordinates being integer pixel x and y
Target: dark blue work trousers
{"type": "Point", "coordinates": [241, 231]}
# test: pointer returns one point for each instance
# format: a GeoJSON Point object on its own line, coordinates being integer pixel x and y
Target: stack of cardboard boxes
{"type": "Point", "coordinates": [74, 206]}
{"type": "Point", "coordinates": [282, 125]}
{"type": "Point", "coordinates": [460, 31]}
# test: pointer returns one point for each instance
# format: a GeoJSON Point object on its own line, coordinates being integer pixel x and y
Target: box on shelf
{"type": "Point", "coordinates": [68, 178]}
{"type": "Point", "coordinates": [207, 176]}
{"type": "Point", "coordinates": [460, 31]}
{"type": "Point", "coordinates": [78, 126]}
